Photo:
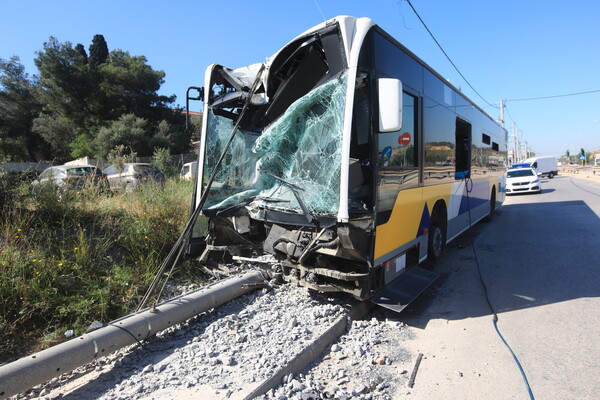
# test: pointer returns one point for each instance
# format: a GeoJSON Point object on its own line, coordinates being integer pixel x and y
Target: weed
{"type": "Point", "coordinates": [69, 259]}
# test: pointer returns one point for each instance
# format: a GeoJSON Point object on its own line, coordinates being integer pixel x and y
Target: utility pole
{"type": "Point", "coordinates": [516, 144]}
{"type": "Point", "coordinates": [502, 112]}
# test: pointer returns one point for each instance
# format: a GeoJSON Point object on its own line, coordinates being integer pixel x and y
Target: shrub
{"type": "Point", "coordinates": [67, 260]}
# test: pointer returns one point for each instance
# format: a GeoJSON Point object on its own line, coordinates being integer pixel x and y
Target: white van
{"type": "Point", "coordinates": [188, 171]}
{"type": "Point", "coordinates": [543, 165]}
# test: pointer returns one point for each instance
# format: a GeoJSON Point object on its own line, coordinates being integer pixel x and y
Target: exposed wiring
{"type": "Point", "coordinates": [489, 303]}
{"type": "Point", "coordinates": [402, 15]}
{"type": "Point", "coordinates": [440, 46]}
{"type": "Point", "coordinates": [132, 335]}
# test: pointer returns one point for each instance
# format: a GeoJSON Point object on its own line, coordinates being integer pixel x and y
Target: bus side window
{"type": "Point", "coordinates": [398, 149]}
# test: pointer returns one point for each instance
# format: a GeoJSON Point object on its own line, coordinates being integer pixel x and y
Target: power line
{"type": "Point", "coordinates": [555, 96]}
{"type": "Point", "coordinates": [321, 11]}
{"type": "Point", "coordinates": [440, 46]}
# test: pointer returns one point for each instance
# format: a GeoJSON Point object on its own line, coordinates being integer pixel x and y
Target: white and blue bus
{"type": "Point", "coordinates": [345, 157]}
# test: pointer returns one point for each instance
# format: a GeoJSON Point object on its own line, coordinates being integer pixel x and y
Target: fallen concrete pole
{"type": "Point", "coordinates": [38, 368]}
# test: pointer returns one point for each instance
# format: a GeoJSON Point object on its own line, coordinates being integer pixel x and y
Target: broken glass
{"type": "Point", "coordinates": [303, 147]}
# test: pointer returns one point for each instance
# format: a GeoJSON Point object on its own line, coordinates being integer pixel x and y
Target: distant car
{"type": "Point", "coordinates": [71, 177]}
{"type": "Point", "coordinates": [188, 171]}
{"type": "Point", "coordinates": [132, 176]}
{"type": "Point", "coordinates": [523, 180]}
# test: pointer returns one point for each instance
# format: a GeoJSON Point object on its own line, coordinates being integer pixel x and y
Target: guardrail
{"type": "Point", "coordinates": [591, 170]}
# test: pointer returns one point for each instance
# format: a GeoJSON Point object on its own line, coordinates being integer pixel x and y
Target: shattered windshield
{"type": "Point", "coordinates": [301, 147]}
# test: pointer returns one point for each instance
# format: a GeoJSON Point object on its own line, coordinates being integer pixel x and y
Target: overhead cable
{"type": "Point", "coordinates": [440, 46]}
{"type": "Point", "coordinates": [554, 96]}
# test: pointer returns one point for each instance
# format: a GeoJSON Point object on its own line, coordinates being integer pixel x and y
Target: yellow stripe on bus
{"type": "Point", "coordinates": [406, 215]}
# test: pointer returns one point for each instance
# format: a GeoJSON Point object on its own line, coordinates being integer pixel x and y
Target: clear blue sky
{"type": "Point", "coordinates": [510, 49]}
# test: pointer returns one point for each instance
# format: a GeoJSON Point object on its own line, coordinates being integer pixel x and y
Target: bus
{"type": "Point", "coordinates": [345, 158]}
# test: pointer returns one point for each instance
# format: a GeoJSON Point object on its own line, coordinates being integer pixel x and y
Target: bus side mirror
{"type": "Point", "coordinates": [390, 104]}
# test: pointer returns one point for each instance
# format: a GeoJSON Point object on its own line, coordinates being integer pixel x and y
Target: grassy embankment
{"type": "Point", "coordinates": [67, 261]}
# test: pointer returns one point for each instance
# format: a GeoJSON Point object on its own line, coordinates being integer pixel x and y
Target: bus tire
{"type": "Point", "coordinates": [437, 236]}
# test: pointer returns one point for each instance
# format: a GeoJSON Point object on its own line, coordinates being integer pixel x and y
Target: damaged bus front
{"type": "Point", "coordinates": [274, 166]}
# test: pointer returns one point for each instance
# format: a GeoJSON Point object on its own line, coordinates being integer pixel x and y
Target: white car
{"type": "Point", "coordinates": [523, 180]}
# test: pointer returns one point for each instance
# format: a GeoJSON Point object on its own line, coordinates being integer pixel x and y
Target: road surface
{"type": "Point", "coordinates": [540, 260]}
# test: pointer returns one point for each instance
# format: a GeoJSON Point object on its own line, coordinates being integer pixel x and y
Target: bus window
{"type": "Point", "coordinates": [397, 149]}
{"type": "Point", "coordinates": [397, 160]}
{"type": "Point", "coordinates": [463, 149]}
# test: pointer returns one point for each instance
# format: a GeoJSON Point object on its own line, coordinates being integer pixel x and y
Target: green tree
{"type": "Point", "coordinates": [58, 132]}
{"type": "Point", "coordinates": [130, 85]}
{"type": "Point", "coordinates": [66, 88]}
{"type": "Point", "coordinates": [162, 159]}
{"type": "Point", "coordinates": [129, 131]}
{"type": "Point", "coordinates": [83, 57]}
{"type": "Point", "coordinates": [163, 135]}
{"type": "Point", "coordinates": [98, 51]}
{"type": "Point", "coordinates": [82, 146]}
{"type": "Point", "coordinates": [18, 109]}
{"type": "Point", "coordinates": [75, 97]}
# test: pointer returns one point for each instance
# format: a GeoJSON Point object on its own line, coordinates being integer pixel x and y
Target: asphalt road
{"type": "Point", "coordinates": [540, 261]}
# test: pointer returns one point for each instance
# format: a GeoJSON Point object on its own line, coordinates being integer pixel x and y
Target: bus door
{"type": "Point", "coordinates": [462, 172]}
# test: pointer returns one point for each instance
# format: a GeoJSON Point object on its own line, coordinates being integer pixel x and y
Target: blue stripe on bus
{"type": "Point", "coordinates": [425, 219]}
{"type": "Point", "coordinates": [478, 195]}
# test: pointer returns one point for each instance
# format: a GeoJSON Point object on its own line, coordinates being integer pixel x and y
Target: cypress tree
{"type": "Point", "coordinates": [83, 57]}
{"type": "Point", "coordinates": [98, 51]}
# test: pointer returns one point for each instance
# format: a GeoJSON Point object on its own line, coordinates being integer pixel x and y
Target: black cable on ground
{"type": "Point", "coordinates": [487, 298]}
{"type": "Point", "coordinates": [140, 343]}
{"type": "Point", "coordinates": [495, 319]}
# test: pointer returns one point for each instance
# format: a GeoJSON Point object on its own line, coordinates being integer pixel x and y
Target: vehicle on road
{"type": "Point", "coordinates": [132, 176]}
{"type": "Point", "coordinates": [71, 177]}
{"type": "Point", "coordinates": [523, 180]}
{"type": "Point", "coordinates": [544, 165]}
{"type": "Point", "coordinates": [330, 157]}
{"type": "Point", "coordinates": [522, 165]}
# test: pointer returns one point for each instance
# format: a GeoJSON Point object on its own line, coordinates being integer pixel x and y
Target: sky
{"type": "Point", "coordinates": [507, 50]}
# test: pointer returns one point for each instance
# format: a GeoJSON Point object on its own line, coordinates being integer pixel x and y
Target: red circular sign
{"type": "Point", "coordinates": [404, 139]}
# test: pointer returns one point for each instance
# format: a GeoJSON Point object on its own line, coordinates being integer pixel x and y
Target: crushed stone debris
{"type": "Point", "coordinates": [242, 342]}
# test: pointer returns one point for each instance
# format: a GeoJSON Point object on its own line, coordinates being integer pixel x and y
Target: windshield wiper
{"type": "Point", "coordinates": [295, 189]}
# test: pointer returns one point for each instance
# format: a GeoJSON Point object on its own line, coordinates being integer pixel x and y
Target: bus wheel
{"type": "Point", "coordinates": [437, 237]}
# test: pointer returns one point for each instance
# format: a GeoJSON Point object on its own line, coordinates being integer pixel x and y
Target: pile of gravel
{"type": "Point", "coordinates": [364, 364]}
{"type": "Point", "coordinates": [227, 350]}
